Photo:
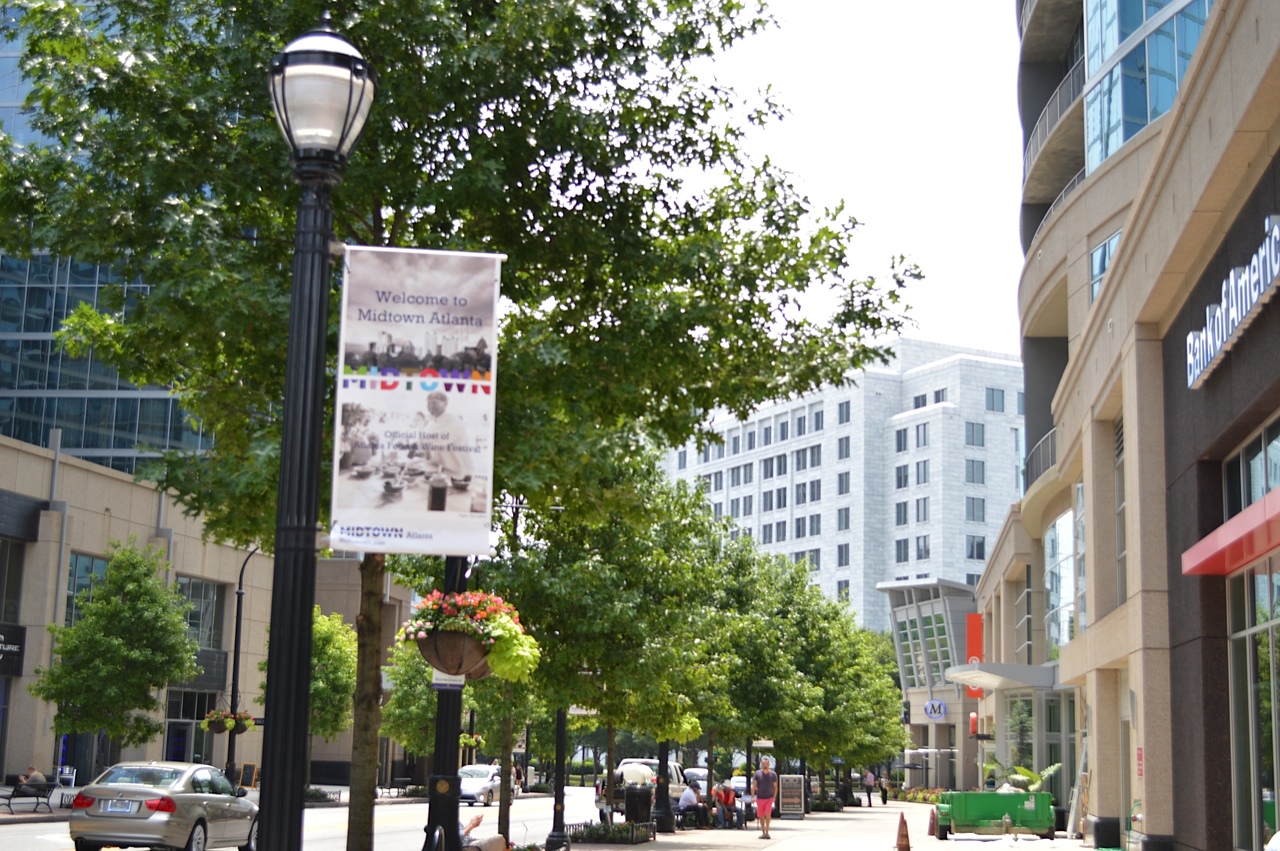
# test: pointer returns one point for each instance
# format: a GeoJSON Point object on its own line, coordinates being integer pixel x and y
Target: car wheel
{"type": "Point", "coordinates": [251, 844]}
{"type": "Point", "coordinates": [199, 839]}
{"type": "Point", "coordinates": [488, 798]}
{"type": "Point", "coordinates": [85, 845]}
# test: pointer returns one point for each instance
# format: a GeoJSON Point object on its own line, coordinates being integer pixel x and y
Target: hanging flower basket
{"type": "Point", "coordinates": [473, 634]}
{"type": "Point", "coordinates": [452, 652]}
{"type": "Point", "coordinates": [223, 721]}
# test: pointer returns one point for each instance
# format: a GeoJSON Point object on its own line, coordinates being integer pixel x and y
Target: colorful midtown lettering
{"type": "Point", "coordinates": [391, 378]}
{"type": "Point", "coordinates": [1243, 293]}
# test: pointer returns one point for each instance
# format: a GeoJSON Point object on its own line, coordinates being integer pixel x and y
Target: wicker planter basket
{"type": "Point", "coordinates": [453, 652]}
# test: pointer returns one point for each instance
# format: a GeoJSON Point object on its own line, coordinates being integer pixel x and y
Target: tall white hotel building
{"type": "Point", "coordinates": [905, 474]}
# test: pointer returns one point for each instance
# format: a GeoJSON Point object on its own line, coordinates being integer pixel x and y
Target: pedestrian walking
{"type": "Point", "coordinates": [869, 781]}
{"type": "Point", "coordinates": [764, 785]}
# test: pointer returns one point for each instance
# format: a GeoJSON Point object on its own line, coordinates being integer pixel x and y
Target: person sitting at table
{"type": "Point", "coordinates": [691, 802]}
{"type": "Point", "coordinates": [726, 806]}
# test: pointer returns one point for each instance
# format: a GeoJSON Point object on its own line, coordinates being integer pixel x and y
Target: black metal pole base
{"type": "Point", "coordinates": [558, 838]}
{"type": "Point", "coordinates": [664, 820]}
{"type": "Point", "coordinates": [444, 787]}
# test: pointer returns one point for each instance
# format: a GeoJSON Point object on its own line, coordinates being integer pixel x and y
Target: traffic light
{"type": "Point", "coordinates": [906, 712]}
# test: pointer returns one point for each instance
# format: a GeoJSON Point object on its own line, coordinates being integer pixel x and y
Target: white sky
{"type": "Point", "coordinates": [906, 110]}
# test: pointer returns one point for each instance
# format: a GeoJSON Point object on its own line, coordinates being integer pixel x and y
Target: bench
{"type": "Point", "coordinates": [396, 788]}
{"type": "Point", "coordinates": [37, 792]}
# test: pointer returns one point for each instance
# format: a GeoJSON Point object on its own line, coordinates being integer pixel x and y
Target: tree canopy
{"type": "Point", "coordinates": [128, 643]}
{"type": "Point", "coordinates": [654, 270]}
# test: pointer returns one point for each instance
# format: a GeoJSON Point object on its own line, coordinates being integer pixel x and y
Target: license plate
{"type": "Point", "coordinates": [118, 806]}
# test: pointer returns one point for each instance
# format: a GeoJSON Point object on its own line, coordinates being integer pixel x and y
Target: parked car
{"type": "Point", "coordinates": [697, 773]}
{"type": "Point", "coordinates": [163, 804]}
{"type": "Point", "coordinates": [675, 775]}
{"type": "Point", "coordinates": [629, 774]}
{"type": "Point", "coordinates": [482, 784]}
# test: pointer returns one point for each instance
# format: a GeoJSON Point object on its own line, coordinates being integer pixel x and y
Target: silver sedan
{"type": "Point", "coordinates": [163, 804]}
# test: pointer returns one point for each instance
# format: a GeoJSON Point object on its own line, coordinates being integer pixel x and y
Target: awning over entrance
{"type": "Point", "coordinates": [995, 675]}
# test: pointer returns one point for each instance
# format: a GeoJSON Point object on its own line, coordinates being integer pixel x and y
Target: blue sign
{"type": "Point", "coordinates": [935, 709]}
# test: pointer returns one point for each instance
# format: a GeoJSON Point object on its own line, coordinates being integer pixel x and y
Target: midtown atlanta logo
{"type": "Point", "coordinates": [390, 378]}
{"type": "Point", "coordinates": [1243, 293]}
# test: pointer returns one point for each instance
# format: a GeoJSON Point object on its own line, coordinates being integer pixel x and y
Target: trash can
{"type": "Point", "coordinates": [638, 803]}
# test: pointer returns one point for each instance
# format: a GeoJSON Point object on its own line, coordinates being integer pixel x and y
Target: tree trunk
{"type": "Point", "coordinates": [368, 704]}
{"type": "Point", "coordinates": [609, 763]}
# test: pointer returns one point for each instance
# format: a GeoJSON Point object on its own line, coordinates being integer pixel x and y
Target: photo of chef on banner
{"type": "Point", "coordinates": [416, 397]}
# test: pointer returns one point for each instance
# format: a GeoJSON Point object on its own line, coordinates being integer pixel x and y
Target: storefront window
{"type": "Point", "coordinates": [1059, 583]}
{"type": "Point", "coordinates": [1254, 627]}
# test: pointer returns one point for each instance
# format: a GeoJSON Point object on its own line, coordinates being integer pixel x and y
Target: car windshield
{"type": "Point", "coordinates": [139, 775]}
{"type": "Point", "coordinates": [474, 771]}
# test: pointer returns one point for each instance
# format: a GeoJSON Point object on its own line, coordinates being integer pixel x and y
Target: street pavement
{"type": "Point", "coordinates": [873, 827]}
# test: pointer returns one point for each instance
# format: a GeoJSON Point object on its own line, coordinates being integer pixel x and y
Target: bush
{"type": "Point", "coordinates": [827, 806]}
{"type": "Point", "coordinates": [416, 792]}
{"type": "Point", "coordinates": [540, 787]}
{"type": "Point", "coordinates": [624, 834]}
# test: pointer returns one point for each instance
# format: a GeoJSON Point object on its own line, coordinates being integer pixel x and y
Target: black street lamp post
{"type": "Point", "coordinates": [557, 838]}
{"type": "Point", "coordinates": [235, 670]}
{"type": "Point", "coordinates": [444, 786]}
{"type": "Point", "coordinates": [321, 91]}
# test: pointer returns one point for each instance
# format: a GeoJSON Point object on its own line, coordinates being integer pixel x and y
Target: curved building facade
{"type": "Point", "coordinates": [1151, 225]}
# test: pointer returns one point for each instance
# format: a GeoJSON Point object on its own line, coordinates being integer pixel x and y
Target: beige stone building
{"type": "Point", "coordinates": [1141, 560]}
{"type": "Point", "coordinates": [58, 515]}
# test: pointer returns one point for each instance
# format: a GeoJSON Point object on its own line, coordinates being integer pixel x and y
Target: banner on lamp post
{"type": "Point", "coordinates": [415, 401]}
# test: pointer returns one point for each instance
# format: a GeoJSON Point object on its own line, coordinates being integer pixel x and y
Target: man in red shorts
{"type": "Point", "coordinates": [764, 785]}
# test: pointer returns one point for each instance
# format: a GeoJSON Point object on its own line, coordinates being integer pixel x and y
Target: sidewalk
{"type": "Point", "coordinates": [854, 827]}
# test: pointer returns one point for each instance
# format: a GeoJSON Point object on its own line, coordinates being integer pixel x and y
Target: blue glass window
{"type": "Point", "coordinates": [1162, 56]}
{"type": "Point", "coordinates": [1189, 24]}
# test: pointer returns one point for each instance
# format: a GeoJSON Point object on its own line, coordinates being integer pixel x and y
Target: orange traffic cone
{"type": "Point", "coordinates": [933, 821]}
{"type": "Point", "coordinates": [904, 841]}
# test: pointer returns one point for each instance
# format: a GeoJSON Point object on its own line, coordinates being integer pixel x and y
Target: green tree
{"type": "Point", "coordinates": [409, 715]}
{"type": "Point", "coordinates": [654, 270]}
{"type": "Point", "coordinates": [333, 674]}
{"type": "Point", "coordinates": [129, 643]}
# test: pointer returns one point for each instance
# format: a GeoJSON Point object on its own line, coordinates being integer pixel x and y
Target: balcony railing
{"type": "Point", "coordinates": [1066, 190]}
{"type": "Point", "coordinates": [1024, 14]}
{"type": "Point", "coordinates": [1068, 91]}
{"type": "Point", "coordinates": [1042, 456]}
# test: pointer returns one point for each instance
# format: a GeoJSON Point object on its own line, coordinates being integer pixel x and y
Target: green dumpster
{"type": "Point", "coordinates": [995, 813]}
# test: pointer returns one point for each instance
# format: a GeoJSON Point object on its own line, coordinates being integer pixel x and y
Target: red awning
{"type": "Point", "coordinates": [1245, 538]}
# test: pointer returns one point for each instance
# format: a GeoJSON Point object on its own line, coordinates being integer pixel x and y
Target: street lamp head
{"type": "Point", "coordinates": [321, 91]}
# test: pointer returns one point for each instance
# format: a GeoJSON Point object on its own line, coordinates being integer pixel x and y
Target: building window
{"type": "Point", "coordinates": [972, 579]}
{"type": "Point", "coordinates": [717, 481]}
{"type": "Point", "coordinates": [922, 509]}
{"type": "Point", "coordinates": [920, 401]}
{"type": "Point", "coordinates": [842, 448]}
{"type": "Point", "coordinates": [204, 620]}
{"type": "Point", "coordinates": [747, 505]}
{"type": "Point", "coordinates": [718, 510]}
{"type": "Point", "coordinates": [842, 484]}
{"type": "Point", "coordinates": [995, 400]}
{"type": "Point", "coordinates": [815, 456]}
{"type": "Point", "coordinates": [1099, 260]}
{"type": "Point", "coordinates": [842, 413]}
{"type": "Point", "coordinates": [800, 426]}
{"type": "Point", "coordinates": [735, 507]}
{"type": "Point", "coordinates": [782, 431]}
{"type": "Point", "coordinates": [901, 550]}
{"type": "Point", "coordinates": [815, 490]}
{"type": "Point", "coordinates": [922, 472]}
{"type": "Point", "coordinates": [922, 547]}
{"type": "Point", "coordinates": [766, 435]}
{"type": "Point", "coordinates": [766, 533]}
{"type": "Point", "coordinates": [735, 477]}
{"type": "Point", "coordinates": [1021, 403]}
{"type": "Point", "coordinates": [766, 468]}
{"type": "Point", "coordinates": [682, 459]}
{"type": "Point", "coordinates": [922, 435]}
{"type": "Point", "coordinates": [842, 519]}
{"type": "Point", "coordinates": [815, 559]}
{"type": "Point", "coordinates": [719, 451]}
{"type": "Point", "coordinates": [748, 472]}
{"type": "Point", "coordinates": [751, 439]}
{"type": "Point", "coordinates": [802, 493]}
{"type": "Point", "coordinates": [780, 530]}
{"type": "Point", "coordinates": [12, 554]}
{"type": "Point", "coordinates": [780, 462]}
{"type": "Point", "coordinates": [817, 420]}
{"type": "Point", "coordinates": [900, 514]}
{"type": "Point", "coordinates": [975, 472]}
{"type": "Point", "coordinates": [975, 547]}
{"type": "Point", "coordinates": [842, 556]}
{"type": "Point", "coordinates": [939, 396]}
{"type": "Point", "coordinates": [766, 501]}
{"type": "Point", "coordinates": [975, 509]}
{"type": "Point", "coordinates": [975, 434]}
{"type": "Point", "coordinates": [85, 570]}
{"type": "Point", "coordinates": [1122, 579]}
{"type": "Point", "coordinates": [815, 524]}
{"type": "Point", "coordinates": [801, 525]}
{"type": "Point", "coordinates": [1253, 471]}
{"type": "Point", "coordinates": [900, 440]}
{"type": "Point", "coordinates": [842, 590]}
{"type": "Point", "coordinates": [801, 460]}
{"type": "Point", "coordinates": [735, 445]}
{"type": "Point", "coordinates": [900, 475]}
{"type": "Point", "coordinates": [780, 497]}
